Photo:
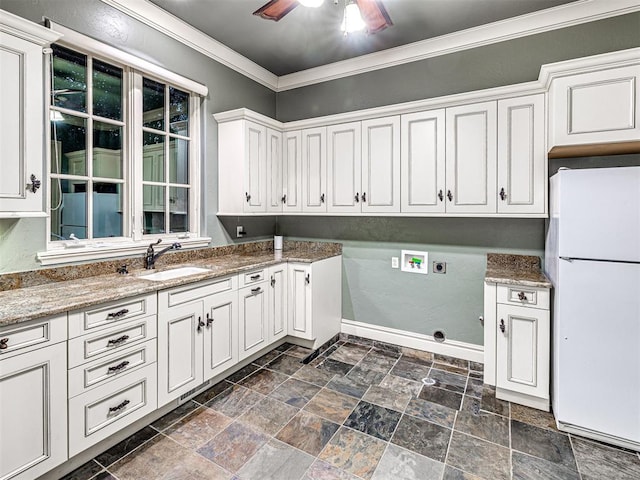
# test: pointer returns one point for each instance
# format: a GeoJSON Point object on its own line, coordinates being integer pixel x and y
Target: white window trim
{"type": "Point", "coordinates": [60, 252]}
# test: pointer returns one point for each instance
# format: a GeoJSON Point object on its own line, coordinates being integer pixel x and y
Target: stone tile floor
{"type": "Point", "coordinates": [358, 411]}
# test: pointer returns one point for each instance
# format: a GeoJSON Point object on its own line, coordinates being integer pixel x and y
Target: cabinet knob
{"type": "Point", "coordinates": [209, 320]}
{"type": "Point", "coordinates": [357, 197]}
{"type": "Point", "coordinates": [273, 280]}
{"type": "Point", "coordinates": [502, 325]}
{"type": "Point", "coordinates": [364, 196]}
{"type": "Point", "coordinates": [3, 343]}
{"type": "Point", "coordinates": [247, 196]}
{"type": "Point", "coordinates": [322, 198]}
{"type": "Point", "coordinates": [503, 194]}
{"type": "Point", "coordinates": [307, 279]}
{"type": "Point", "coordinates": [522, 296]}
{"type": "Point", "coordinates": [440, 195]}
{"type": "Point", "coordinates": [284, 198]}
{"type": "Point", "coordinates": [34, 185]}
{"type": "Point", "coordinates": [450, 195]}
{"type": "Point", "coordinates": [200, 324]}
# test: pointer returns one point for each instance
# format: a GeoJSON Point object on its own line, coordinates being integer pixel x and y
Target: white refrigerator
{"type": "Point", "coordinates": [592, 258]}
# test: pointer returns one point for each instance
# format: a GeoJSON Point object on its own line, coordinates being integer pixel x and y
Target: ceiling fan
{"type": "Point", "coordinates": [373, 12]}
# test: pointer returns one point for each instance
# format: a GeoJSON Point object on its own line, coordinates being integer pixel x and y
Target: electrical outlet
{"type": "Point", "coordinates": [439, 267]}
{"type": "Point", "coordinates": [395, 262]}
{"type": "Point", "coordinates": [240, 231]}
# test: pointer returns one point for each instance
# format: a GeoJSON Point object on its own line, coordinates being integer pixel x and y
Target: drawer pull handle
{"type": "Point", "coordinates": [255, 277]}
{"type": "Point", "coordinates": [307, 279]}
{"type": "Point", "coordinates": [200, 324]}
{"type": "Point", "coordinates": [256, 290]}
{"type": "Point", "coordinates": [117, 314]}
{"type": "Point", "coordinates": [119, 407]}
{"type": "Point", "coordinates": [209, 320]}
{"type": "Point", "coordinates": [522, 296]}
{"type": "Point", "coordinates": [3, 344]}
{"type": "Point", "coordinates": [118, 367]}
{"type": "Point", "coordinates": [502, 325]}
{"type": "Point", "coordinates": [117, 341]}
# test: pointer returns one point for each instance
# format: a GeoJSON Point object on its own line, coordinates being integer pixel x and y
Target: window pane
{"type": "Point", "coordinates": [153, 208]}
{"type": "Point", "coordinates": [178, 112]}
{"type": "Point", "coordinates": [107, 90]}
{"type": "Point", "coordinates": [68, 145]}
{"type": "Point", "coordinates": [152, 157]}
{"type": "Point", "coordinates": [179, 209]}
{"type": "Point", "coordinates": [153, 104]}
{"type": "Point", "coordinates": [68, 209]}
{"type": "Point", "coordinates": [107, 210]}
{"type": "Point", "coordinates": [107, 150]}
{"type": "Point", "coordinates": [178, 160]}
{"type": "Point", "coordinates": [69, 79]}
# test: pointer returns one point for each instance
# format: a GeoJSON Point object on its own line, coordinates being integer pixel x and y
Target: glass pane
{"type": "Point", "coordinates": [178, 111]}
{"type": "Point", "coordinates": [178, 161]}
{"type": "Point", "coordinates": [69, 88]}
{"type": "Point", "coordinates": [68, 145]}
{"type": "Point", "coordinates": [107, 210]}
{"type": "Point", "coordinates": [178, 209]}
{"type": "Point", "coordinates": [152, 157]}
{"type": "Point", "coordinates": [153, 208]}
{"type": "Point", "coordinates": [68, 209]}
{"type": "Point", "coordinates": [107, 150]}
{"type": "Point", "coordinates": [107, 90]}
{"type": "Point", "coordinates": [153, 104]}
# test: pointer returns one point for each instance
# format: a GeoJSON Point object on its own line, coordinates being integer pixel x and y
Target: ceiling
{"type": "Point", "coordinates": [308, 37]}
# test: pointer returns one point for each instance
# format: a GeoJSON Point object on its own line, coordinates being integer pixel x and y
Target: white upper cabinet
{"type": "Point", "coordinates": [255, 169]}
{"type": "Point", "coordinates": [274, 175]}
{"type": "Point", "coordinates": [314, 169]}
{"type": "Point", "coordinates": [22, 120]}
{"type": "Point", "coordinates": [292, 171]}
{"type": "Point", "coordinates": [595, 107]}
{"type": "Point", "coordinates": [471, 158]}
{"type": "Point", "coordinates": [344, 168]}
{"type": "Point", "coordinates": [381, 165]}
{"type": "Point", "coordinates": [423, 162]}
{"type": "Point", "coordinates": [522, 173]}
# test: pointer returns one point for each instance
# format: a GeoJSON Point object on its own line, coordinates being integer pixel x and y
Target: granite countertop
{"type": "Point", "coordinates": [47, 293]}
{"type": "Point", "coordinates": [515, 270]}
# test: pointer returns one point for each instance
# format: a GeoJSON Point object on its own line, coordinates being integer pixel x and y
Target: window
{"type": "Point", "coordinates": [124, 154]}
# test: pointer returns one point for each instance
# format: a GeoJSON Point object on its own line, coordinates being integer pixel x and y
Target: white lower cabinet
{"type": "Point", "coordinates": [517, 336]}
{"type": "Point", "coordinates": [221, 333]}
{"type": "Point", "coordinates": [278, 302]}
{"type": "Point", "coordinates": [33, 412]}
{"type": "Point", "coordinates": [253, 319]}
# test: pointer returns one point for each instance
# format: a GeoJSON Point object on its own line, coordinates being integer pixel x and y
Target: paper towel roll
{"type": "Point", "coordinates": [277, 242]}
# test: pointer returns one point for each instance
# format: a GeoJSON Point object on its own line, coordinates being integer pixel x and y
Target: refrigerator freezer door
{"type": "Point", "coordinates": [599, 214]}
{"type": "Point", "coordinates": [597, 359]}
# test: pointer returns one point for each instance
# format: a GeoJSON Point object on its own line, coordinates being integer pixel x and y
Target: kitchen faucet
{"type": "Point", "coordinates": [151, 256]}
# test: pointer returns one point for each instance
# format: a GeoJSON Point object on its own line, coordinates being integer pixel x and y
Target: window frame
{"type": "Point", "coordinates": [133, 241]}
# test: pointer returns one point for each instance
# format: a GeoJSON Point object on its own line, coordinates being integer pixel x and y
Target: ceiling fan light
{"type": "Point", "coordinates": [311, 3]}
{"type": "Point", "coordinates": [352, 21]}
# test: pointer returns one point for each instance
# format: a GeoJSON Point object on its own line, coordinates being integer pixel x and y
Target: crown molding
{"type": "Point", "coordinates": [27, 30]}
{"type": "Point", "coordinates": [563, 16]}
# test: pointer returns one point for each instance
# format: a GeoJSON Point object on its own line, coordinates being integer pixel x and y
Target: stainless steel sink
{"type": "Point", "coordinates": [174, 273]}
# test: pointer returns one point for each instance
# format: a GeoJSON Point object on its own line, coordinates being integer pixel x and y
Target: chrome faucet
{"type": "Point", "coordinates": [151, 256]}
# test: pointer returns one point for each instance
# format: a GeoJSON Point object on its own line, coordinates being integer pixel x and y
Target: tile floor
{"type": "Point", "coordinates": [358, 411]}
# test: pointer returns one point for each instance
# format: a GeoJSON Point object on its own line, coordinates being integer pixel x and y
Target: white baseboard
{"type": "Point", "coordinates": [427, 343]}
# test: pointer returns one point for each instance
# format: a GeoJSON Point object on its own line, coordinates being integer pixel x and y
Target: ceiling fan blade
{"type": "Point", "coordinates": [374, 15]}
{"type": "Point", "coordinates": [276, 9]}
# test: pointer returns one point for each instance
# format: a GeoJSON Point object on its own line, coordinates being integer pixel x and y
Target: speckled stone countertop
{"type": "Point", "coordinates": [515, 270]}
{"type": "Point", "coordinates": [30, 295]}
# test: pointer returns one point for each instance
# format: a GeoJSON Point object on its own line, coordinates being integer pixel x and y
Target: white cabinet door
{"type": "Point", "coordinates": [255, 168]}
{"type": "Point", "coordinates": [381, 165]}
{"type": "Point", "coordinates": [278, 305]}
{"type": "Point", "coordinates": [21, 127]}
{"type": "Point", "coordinates": [522, 350]}
{"type": "Point", "coordinates": [300, 311]}
{"type": "Point", "coordinates": [180, 366]}
{"type": "Point", "coordinates": [522, 159]}
{"type": "Point", "coordinates": [292, 171]}
{"type": "Point", "coordinates": [220, 333]}
{"type": "Point", "coordinates": [471, 158]}
{"type": "Point", "coordinates": [314, 169]}
{"type": "Point", "coordinates": [595, 107]}
{"type": "Point", "coordinates": [33, 413]}
{"type": "Point", "coordinates": [423, 162]}
{"type": "Point", "coordinates": [274, 171]}
{"type": "Point", "coordinates": [253, 328]}
{"type": "Point", "coordinates": [344, 168]}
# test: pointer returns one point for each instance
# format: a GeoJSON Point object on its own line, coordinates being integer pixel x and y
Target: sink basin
{"type": "Point", "coordinates": [175, 273]}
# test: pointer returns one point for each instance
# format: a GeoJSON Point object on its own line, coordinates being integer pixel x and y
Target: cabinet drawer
{"type": "Point", "coordinates": [525, 296]}
{"type": "Point", "coordinates": [108, 314]}
{"type": "Point", "coordinates": [27, 336]}
{"type": "Point", "coordinates": [255, 276]}
{"type": "Point", "coordinates": [180, 295]}
{"type": "Point", "coordinates": [88, 347]}
{"type": "Point", "coordinates": [103, 411]}
{"type": "Point", "coordinates": [112, 366]}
